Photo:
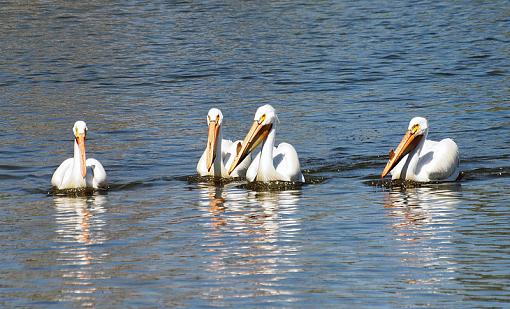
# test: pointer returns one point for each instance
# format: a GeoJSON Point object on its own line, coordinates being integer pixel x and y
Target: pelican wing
{"type": "Point", "coordinates": [225, 146]}
{"type": "Point", "coordinates": [96, 175]}
{"type": "Point", "coordinates": [397, 170]}
{"type": "Point", "coordinates": [251, 173]}
{"type": "Point", "coordinates": [202, 165]}
{"type": "Point", "coordinates": [59, 174]}
{"type": "Point", "coordinates": [286, 162]}
{"type": "Point", "coordinates": [444, 163]}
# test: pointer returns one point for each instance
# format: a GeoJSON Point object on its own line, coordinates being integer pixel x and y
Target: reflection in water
{"type": "Point", "coordinates": [79, 225]}
{"type": "Point", "coordinates": [216, 202]}
{"type": "Point", "coordinates": [424, 230]}
{"type": "Point", "coordinates": [252, 242]}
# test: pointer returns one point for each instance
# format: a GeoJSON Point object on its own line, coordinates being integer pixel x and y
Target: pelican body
{"type": "Point", "coordinates": [79, 172]}
{"type": "Point", "coordinates": [272, 163]}
{"type": "Point", "coordinates": [220, 153]}
{"type": "Point", "coordinates": [419, 159]}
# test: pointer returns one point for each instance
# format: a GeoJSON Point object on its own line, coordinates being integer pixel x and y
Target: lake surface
{"type": "Point", "coordinates": [345, 78]}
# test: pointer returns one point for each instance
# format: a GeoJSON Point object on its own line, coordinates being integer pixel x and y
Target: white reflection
{"type": "Point", "coordinates": [253, 235]}
{"type": "Point", "coordinates": [424, 221]}
{"type": "Point", "coordinates": [78, 226]}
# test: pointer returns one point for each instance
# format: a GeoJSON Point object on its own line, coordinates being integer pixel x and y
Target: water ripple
{"type": "Point", "coordinates": [345, 78]}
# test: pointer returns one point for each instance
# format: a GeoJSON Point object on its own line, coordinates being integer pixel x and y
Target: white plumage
{"type": "Point", "coordinates": [220, 153]}
{"type": "Point", "coordinates": [422, 160]}
{"type": "Point", "coordinates": [272, 163]}
{"type": "Point", "coordinates": [79, 172]}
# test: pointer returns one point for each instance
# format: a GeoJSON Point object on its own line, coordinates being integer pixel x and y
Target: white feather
{"type": "Point", "coordinates": [430, 160]}
{"type": "Point", "coordinates": [68, 174]}
{"type": "Point", "coordinates": [273, 164]}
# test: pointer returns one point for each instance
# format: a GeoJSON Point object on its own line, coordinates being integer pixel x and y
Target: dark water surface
{"type": "Point", "coordinates": [345, 78]}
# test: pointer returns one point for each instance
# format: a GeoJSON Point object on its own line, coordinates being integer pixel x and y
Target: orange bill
{"type": "Point", "coordinates": [80, 139]}
{"type": "Point", "coordinates": [257, 134]}
{"type": "Point", "coordinates": [212, 137]}
{"type": "Point", "coordinates": [407, 144]}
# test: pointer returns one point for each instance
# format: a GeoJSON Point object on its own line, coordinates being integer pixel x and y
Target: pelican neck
{"type": "Point", "coordinates": [266, 168]}
{"type": "Point", "coordinates": [267, 147]}
{"type": "Point", "coordinates": [414, 155]}
{"type": "Point", "coordinates": [76, 157]}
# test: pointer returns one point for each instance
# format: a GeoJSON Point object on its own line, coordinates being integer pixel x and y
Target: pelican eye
{"type": "Point", "coordinates": [415, 128]}
{"type": "Point", "coordinates": [76, 130]}
{"type": "Point", "coordinates": [262, 118]}
{"type": "Point", "coordinates": [218, 118]}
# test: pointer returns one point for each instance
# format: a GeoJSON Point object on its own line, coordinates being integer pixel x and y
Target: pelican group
{"type": "Point", "coordinates": [416, 158]}
{"type": "Point", "coordinates": [419, 159]}
{"type": "Point", "coordinates": [79, 172]}
{"type": "Point", "coordinates": [272, 163]}
{"type": "Point", "coordinates": [219, 153]}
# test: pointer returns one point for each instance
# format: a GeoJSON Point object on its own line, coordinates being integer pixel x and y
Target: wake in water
{"type": "Point", "coordinates": [210, 180]}
{"type": "Point", "coordinates": [77, 192]}
{"type": "Point", "coordinates": [467, 175]}
{"type": "Point", "coordinates": [257, 185]}
{"type": "Point", "coordinates": [361, 168]}
{"type": "Point", "coordinates": [272, 186]}
{"type": "Point", "coordinates": [409, 184]}
{"type": "Point", "coordinates": [367, 168]}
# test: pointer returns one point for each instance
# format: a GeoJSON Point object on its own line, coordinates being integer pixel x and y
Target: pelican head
{"type": "Point", "coordinates": [214, 120]}
{"type": "Point", "coordinates": [263, 122]}
{"type": "Point", "coordinates": [416, 132]}
{"type": "Point", "coordinates": [80, 134]}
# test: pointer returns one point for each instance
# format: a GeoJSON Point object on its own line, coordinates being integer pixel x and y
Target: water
{"type": "Point", "coordinates": [345, 78]}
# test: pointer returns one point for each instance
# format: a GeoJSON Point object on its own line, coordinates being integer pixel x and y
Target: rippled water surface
{"type": "Point", "coordinates": [345, 78]}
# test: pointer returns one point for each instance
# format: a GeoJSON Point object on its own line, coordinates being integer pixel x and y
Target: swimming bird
{"type": "Point", "coordinates": [219, 153]}
{"type": "Point", "coordinates": [271, 164]}
{"type": "Point", "coordinates": [419, 159]}
{"type": "Point", "coordinates": [79, 172]}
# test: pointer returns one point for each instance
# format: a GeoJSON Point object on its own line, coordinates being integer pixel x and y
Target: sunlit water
{"type": "Point", "coordinates": [345, 78]}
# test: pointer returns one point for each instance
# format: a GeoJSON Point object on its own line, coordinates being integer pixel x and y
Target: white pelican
{"type": "Point", "coordinates": [219, 153]}
{"type": "Point", "coordinates": [419, 159]}
{"type": "Point", "coordinates": [79, 172]}
{"type": "Point", "coordinates": [281, 163]}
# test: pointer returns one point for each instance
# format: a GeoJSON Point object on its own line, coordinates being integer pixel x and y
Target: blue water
{"type": "Point", "coordinates": [345, 79]}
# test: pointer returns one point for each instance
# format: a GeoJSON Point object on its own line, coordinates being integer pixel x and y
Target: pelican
{"type": "Point", "coordinates": [219, 153]}
{"type": "Point", "coordinates": [271, 164]}
{"type": "Point", "coordinates": [78, 172]}
{"type": "Point", "coordinates": [419, 159]}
